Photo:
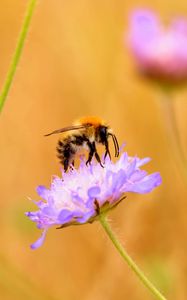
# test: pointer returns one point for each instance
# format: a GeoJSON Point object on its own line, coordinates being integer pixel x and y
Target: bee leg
{"type": "Point", "coordinates": [98, 159]}
{"type": "Point", "coordinates": [91, 153]}
{"type": "Point", "coordinates": [66, 164]}
{"type": "Point", "coordinates": [72, 165]}
{"type": "Point", "coordinates": [97, 155]}
{"type": "Point", "coordinates": [107, 150]}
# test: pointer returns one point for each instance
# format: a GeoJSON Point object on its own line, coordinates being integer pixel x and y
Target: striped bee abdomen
{"type": "Point", "coordinates": [67, 149]}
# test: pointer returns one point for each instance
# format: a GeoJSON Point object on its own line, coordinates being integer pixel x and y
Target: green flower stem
{"type": "Point", "coordinates": [172, 131]}
{"type": "Point", "coordinates": [17, 53]}
{"type": "Point", "coordinates": [128, 259]}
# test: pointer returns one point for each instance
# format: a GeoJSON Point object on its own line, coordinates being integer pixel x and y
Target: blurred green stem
{"type": "Point", "coordinates": [17, 53]}
{"type": "Point", "coordinates": [128, 259]}
{"type": "Point", "coordinates": [172, 131]}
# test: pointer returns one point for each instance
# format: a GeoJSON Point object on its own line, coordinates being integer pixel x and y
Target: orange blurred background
{"type": "Point", "coordinates": [75, 63]}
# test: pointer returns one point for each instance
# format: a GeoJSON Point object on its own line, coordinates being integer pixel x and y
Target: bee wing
{"type": "Point", "coordinates": [69, 128]}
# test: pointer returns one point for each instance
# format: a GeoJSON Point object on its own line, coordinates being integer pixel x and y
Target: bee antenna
{"type": "Point", "coordinates": [116, 145]}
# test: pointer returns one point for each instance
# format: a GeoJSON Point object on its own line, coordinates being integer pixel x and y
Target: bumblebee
{"type": "Point", "coordinates": [85, 133]}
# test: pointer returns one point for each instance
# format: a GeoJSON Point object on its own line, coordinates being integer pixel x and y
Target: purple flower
{"type": "Point", "coordinates": [82, 194]}
{"type": "Point", "coordinates": [159, 52]}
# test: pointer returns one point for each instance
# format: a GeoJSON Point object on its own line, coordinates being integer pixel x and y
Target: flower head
{"type": "Point", "coordinates": [159, 52]}
{"type": "Point", "coordinates": [82, 194]}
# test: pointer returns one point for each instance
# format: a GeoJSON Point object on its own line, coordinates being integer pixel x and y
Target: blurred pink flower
{"type": "Point", "coordinates": [159, 52]}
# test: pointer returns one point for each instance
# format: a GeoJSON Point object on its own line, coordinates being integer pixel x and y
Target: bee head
{"type": "Point", "coordinates": [102, 134]}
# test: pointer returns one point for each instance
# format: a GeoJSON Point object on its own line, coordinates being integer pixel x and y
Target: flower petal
{"type": "Point", "coordinates": [145, 26]}
{"type": "Point", "coordinates": [43, 192]}
{"type": "Point", "coordinates": [94, 191]}
{"type": "Point", "coordinates": [40, 241]}
{"type": "Point", "coordinates": [147, 184]}
{"type": "Point", "coordinates": [65, 216]}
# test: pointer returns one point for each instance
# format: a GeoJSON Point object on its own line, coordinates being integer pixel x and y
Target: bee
{"type": "Point", "coordinates": [85, 133]}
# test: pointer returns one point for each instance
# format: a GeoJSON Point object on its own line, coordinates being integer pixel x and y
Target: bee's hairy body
{"type": "Point", "coordinates": [68, 147]}
{"type": "Point", "coordinates": [86, 133]}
